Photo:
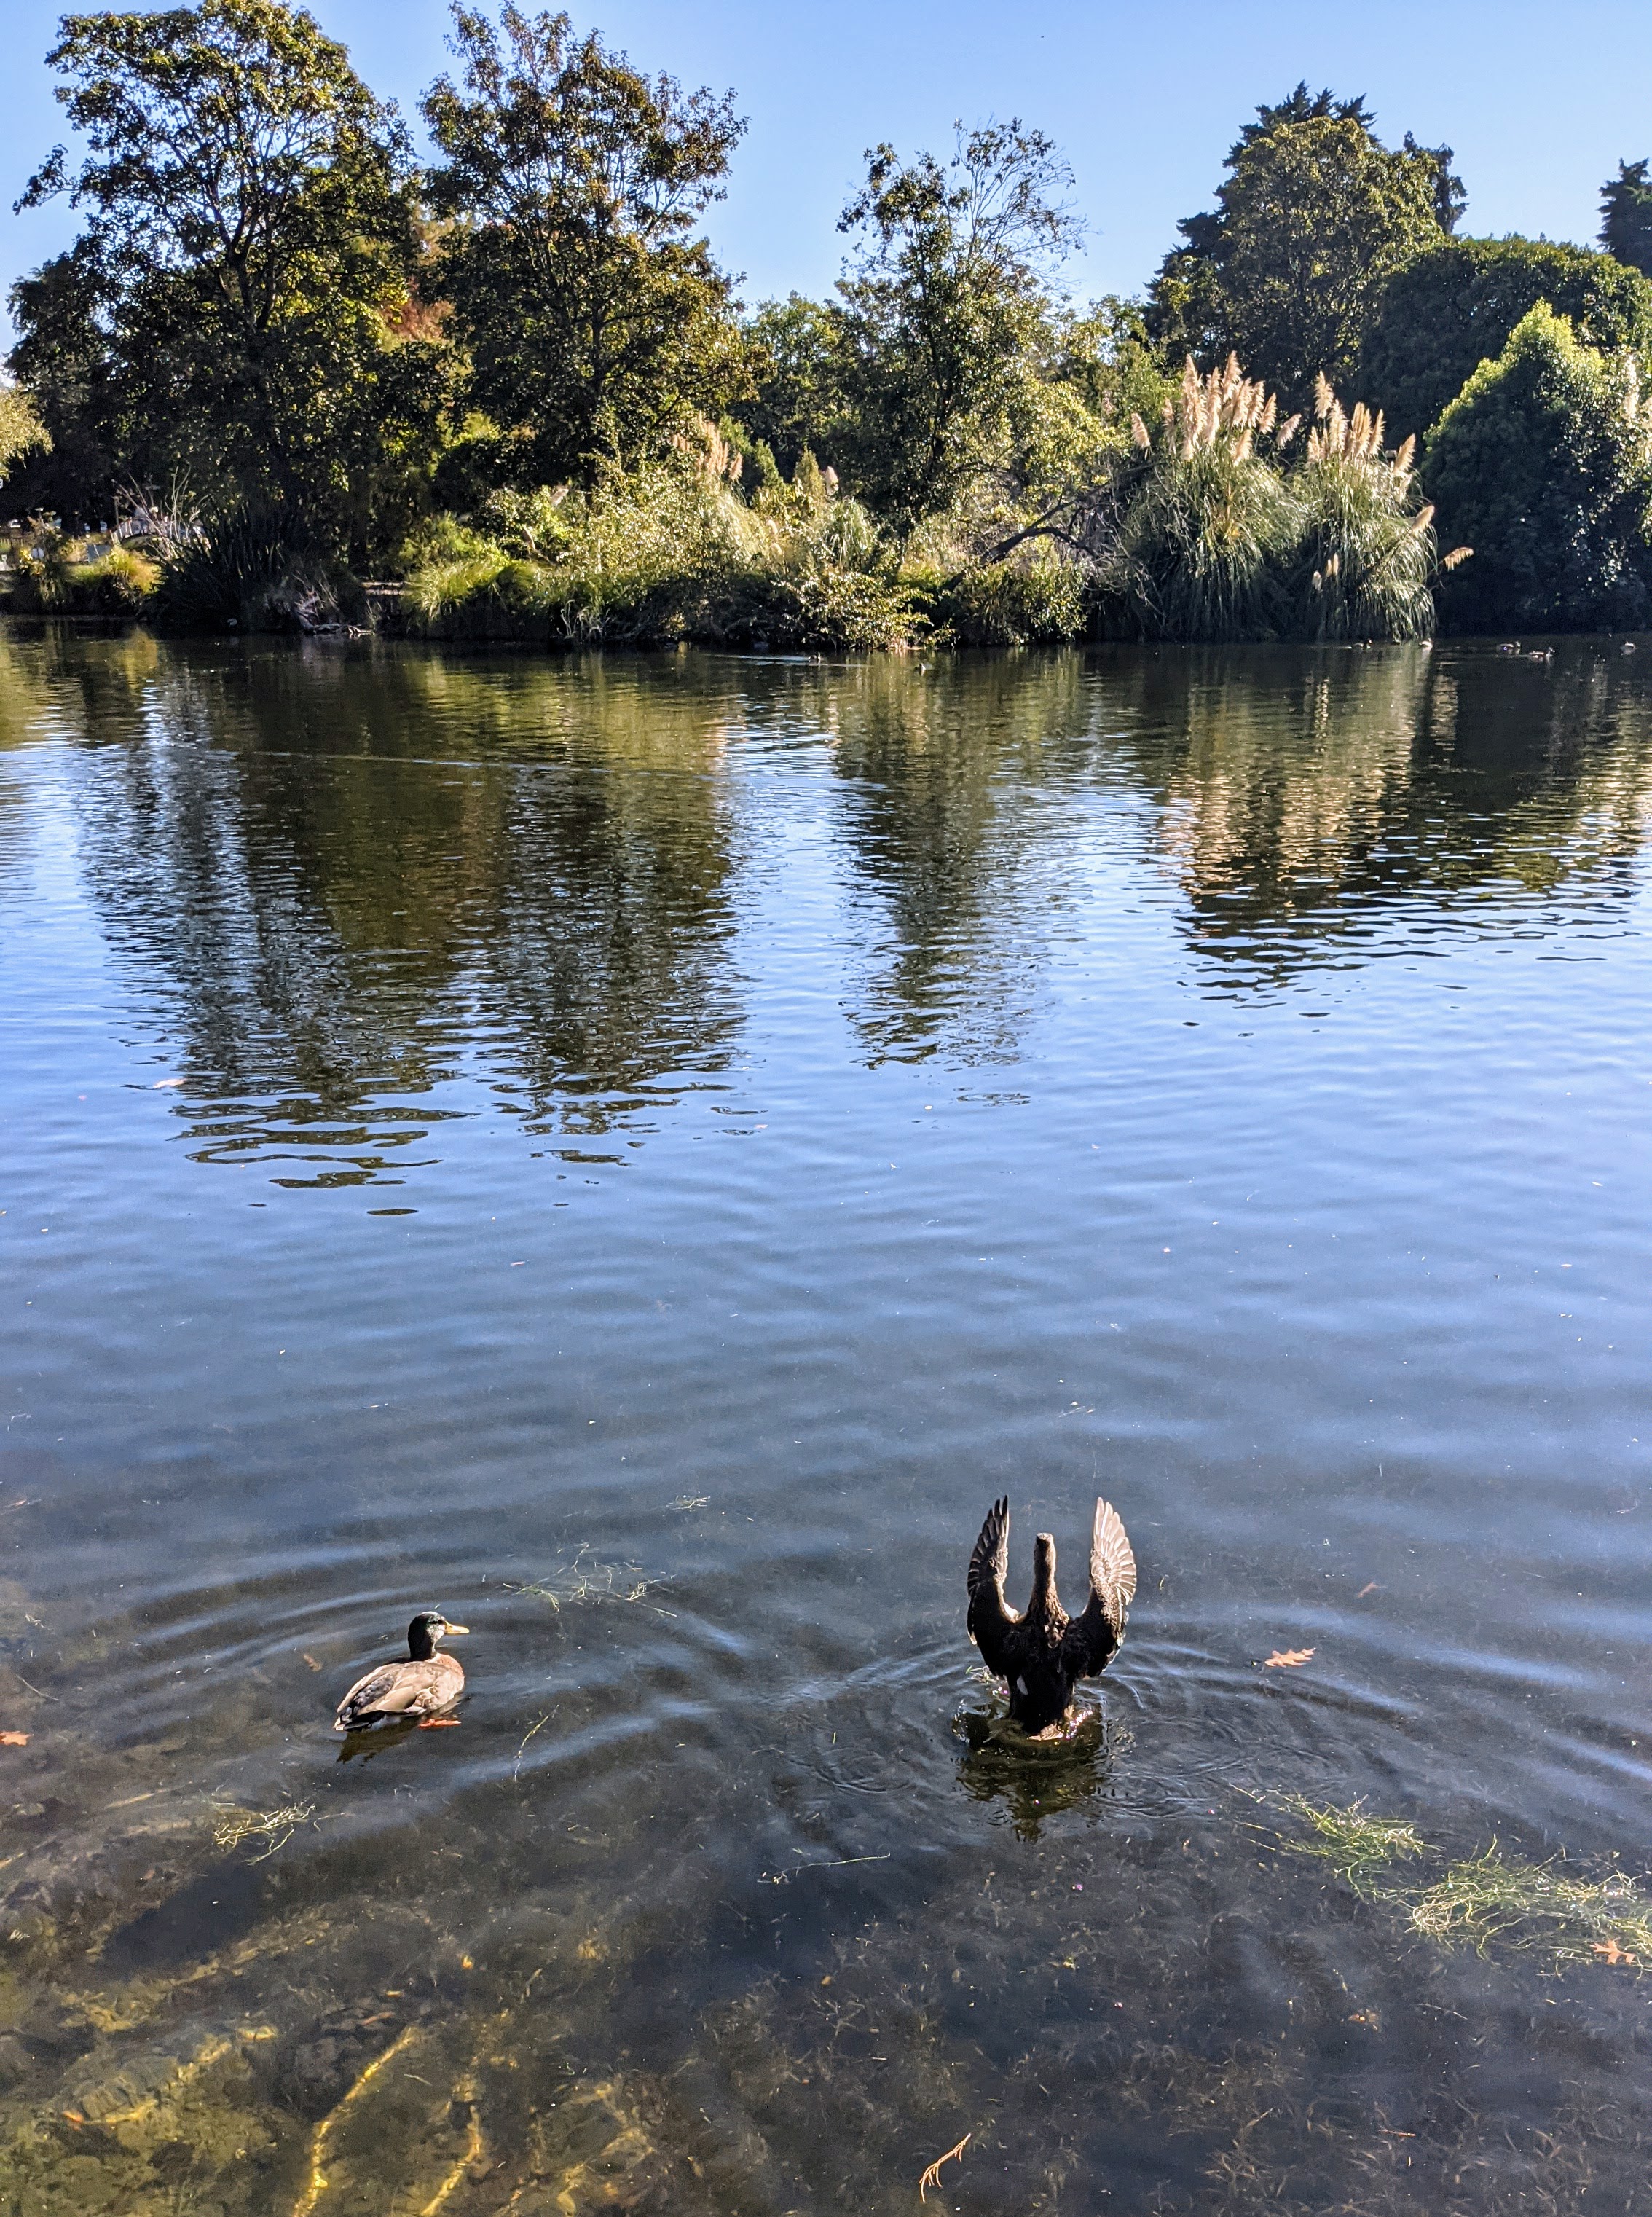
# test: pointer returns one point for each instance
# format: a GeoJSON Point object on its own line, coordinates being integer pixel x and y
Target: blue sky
{"type": "Point", "coordinates": [1540, 103]}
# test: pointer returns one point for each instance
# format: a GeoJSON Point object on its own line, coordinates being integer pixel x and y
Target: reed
{"type": "Point", "coordinates": [1367, 561]}
{"type": "Point", "coordinates": [1206, 522]}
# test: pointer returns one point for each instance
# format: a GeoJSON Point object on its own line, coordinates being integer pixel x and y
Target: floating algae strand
{"type": "Point", "coordinates": [1487, 1898]}
{"type": "Point", "coordinates": [585, 1579]}
{"type": "Point", "coordinates": [1482, 1899]}
{"type": "Point", "coordinates": [272, 1830]}
{"type": "Point", "coordinates": [1353, 1843]}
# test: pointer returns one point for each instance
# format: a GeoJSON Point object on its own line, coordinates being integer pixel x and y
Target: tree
{"type": "Point", "coordinates": [1542, 463]}
{"type": "Point", "coordinates": [1315, 215]}
{"type": "Point", "coordinates": [795, 360]}
{"type": "Point", "coordinates": [20, 428]}
{"type": "Point", "coordinates": [248, 259]}
{"type": "Point", "coordinates": [571, 183]}
{"type": "Point", "coordinates": [1454, 306]}
{"type": "Point", "coordinates": [946, 313]}
{"type": "Point", "coordinates": [63, 361]}
{"type": "Point", "coordinates": [1626, 216]}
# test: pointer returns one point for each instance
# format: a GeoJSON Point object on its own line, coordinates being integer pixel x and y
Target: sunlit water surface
{"type": "Point", "coordinates": [637, 1154]}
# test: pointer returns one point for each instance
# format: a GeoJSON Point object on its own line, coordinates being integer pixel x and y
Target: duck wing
{"type": "Point", "coordinates": [1091, 1640]}
{"type": "Point", "coordinates": [990, 1619]}
{"type": "Point", "coordinates": [397, 1690]}
{"type": "Point", "coordinates": [363, 1698]}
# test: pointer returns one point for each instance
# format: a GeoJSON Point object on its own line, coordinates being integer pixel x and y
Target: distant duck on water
{"type": "Point", "coordinates": [1043, 1654]}
{"type": "Point", "coordinates": [418, 1690]}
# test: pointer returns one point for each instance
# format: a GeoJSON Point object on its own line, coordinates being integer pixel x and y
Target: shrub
{"type": "Point", "coordinates": [54, 577]}
{"type": "Point", "coordinates": [42, 586]}
{"type": "Point", "coordinates": [1543, 464]}
{"type": "Point", "coordinates": [671, 550]}
{"type": "Point", "coordinates": [1044, 602]}
{"type": "Point", "coordinates": [1455, 306]}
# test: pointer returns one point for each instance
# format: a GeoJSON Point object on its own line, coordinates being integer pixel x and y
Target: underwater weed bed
{"type": "Point", "coordinates": [1479, 1901]}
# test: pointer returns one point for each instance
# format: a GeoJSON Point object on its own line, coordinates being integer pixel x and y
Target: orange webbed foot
{"type": "Point", "coordinates": [436, 1724]}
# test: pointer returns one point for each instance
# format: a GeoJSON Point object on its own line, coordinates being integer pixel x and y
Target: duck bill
{"type": "Point", "coordinates": [451, 1631]}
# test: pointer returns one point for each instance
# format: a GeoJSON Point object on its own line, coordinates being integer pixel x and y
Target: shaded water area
{"type": "Point", "coordinates": [637, 1154]}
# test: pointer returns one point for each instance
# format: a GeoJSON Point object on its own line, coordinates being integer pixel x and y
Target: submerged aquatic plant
{"type": "Point", "coordinates": [1352, 1842]}
{"type": "Point", "coordinates": [585, 1579]}
{"type": "Point", "coordinates": [1482, 1899]}
{"type": "Point", "coordinates": [1489, 1899]}
{"type": "Point", "coordinates": [272, 1829]}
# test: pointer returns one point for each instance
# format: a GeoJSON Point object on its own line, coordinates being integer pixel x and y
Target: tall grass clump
{"type": "Point", "coordinates": [1367, 559]}
{"type": "Point", "coordinates": [1207, 523]}
{"type": "Point", "coordinates": [255, 569]}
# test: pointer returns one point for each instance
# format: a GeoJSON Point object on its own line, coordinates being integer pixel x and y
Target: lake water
{"type": "Point", "coordinates": [637, 1154]}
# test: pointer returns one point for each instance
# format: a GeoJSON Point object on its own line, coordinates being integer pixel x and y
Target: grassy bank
{"type": "Point", "coordinates": [1220, 523]}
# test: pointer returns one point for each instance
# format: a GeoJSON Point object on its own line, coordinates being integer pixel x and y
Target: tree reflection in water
{"type": "Point", "coordinates": [398, 876]}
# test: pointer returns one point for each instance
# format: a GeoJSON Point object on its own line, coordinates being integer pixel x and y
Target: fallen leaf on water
{"type": "Point", "coordinates": [164, 1084]}
{"type": "Point", "coordinates": [1372, 1588]}
{"type": "Point", "coordinates": [1288, 1658]}
{"type": "Point", "coordinates": [14, 1739]}
{"type": "Point", "coordinates": [1609, 1951]}
{"type": "Point", "coordinates": [310, 1658]}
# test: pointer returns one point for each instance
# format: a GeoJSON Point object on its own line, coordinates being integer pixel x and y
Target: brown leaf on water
{"type": "Point", "coordinates": [1289, 1658]}
{"type": "Point", "coordinates": [14, 1739]}
{"type": "Point", "coordinates": [310, 1658]}
{"type": "Point", "coordinates": [1372, 1588]}
{"type": "Point", "coordinates": [1609, 1951]}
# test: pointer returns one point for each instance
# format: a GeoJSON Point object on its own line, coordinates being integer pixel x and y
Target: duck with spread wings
{"type": "Point", "coordinates": [1043, 1653]}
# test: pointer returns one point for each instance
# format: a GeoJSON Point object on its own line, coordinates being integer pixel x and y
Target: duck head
{"type": "Point", "coordinates": [427, 1627]}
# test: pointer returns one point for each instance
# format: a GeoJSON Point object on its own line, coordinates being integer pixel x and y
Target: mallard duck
{"type": "Point", "coordinates": [1043, 1653]}
{"type": "Point", "coordinates": [422, 1686]}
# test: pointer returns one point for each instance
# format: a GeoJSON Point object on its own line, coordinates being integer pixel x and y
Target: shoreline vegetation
{"type": "Point", "coordinates": [509, 395]}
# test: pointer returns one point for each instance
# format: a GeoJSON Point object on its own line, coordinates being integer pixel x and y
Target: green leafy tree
{"type": "Point", "coordinates": [795, 351]}
{"type": "Point", "coordinates": [64, 361]}
{"type": "Point", "coordinates": [571, 185]}
{"type": "Point", "coordinates": [1626, 216]}
{"type": "Point", "coordinates": [1542, 463]}
{"type": "Point", "coordinates": [945, 316]}
{"type": "Point", "coordinates": [1315, 216]}
{"type": "Point", "coordinates": [1455, 304]}
{"type": "Point", "coordinates": [241, 291]}
{"type": "Point", "coordinates": [21, 428]}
